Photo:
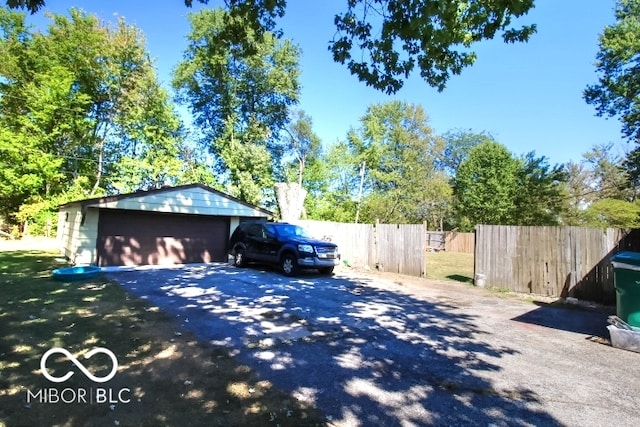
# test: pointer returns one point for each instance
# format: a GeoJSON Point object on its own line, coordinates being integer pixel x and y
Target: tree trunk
{"type": "Point", "coordinates": [99, 173]}
{"type": "Point", "coordinates": [290, 197]}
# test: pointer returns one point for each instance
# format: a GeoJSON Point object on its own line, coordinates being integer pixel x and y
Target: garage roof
{"type": "Point", "coordinates": [192, 198]}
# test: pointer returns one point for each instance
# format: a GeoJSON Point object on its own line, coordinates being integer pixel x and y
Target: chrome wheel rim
{"type": "Point", "coordinates": [287, 265]}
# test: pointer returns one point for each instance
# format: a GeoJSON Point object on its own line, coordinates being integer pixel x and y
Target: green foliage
{"type": "Point", "coordinates": [399, 150]}
{"type": "Point", "coordinates": [302, 144]}
{"type": "Point", "coordinates": [631, 167]}
{"type": "Point", "coordinates": [613, 213]}
{"type": "Point", "coordinates": [80, 106]}
{"type": "Point", "coordinates": [336, 185]}
{"type": "Point", "coordinates": [31, 5]}
{"type": "Point", "coordinates": [601, 191]}
{"type": "Point", "coordinates": [194, 166]}
{"type": "Point", "coordinates": [458, 145]}
{"type": "Point", "coordinates": [240, 91]}
{"type": "Point", "coordinates": [617, 93]}
{"type": "Point", "coordinates": [493, 187]}
{"type": "Point", "coordinates": [485, 187]}
{"type": "Point", "coordinates": [610, 180]}
{"type": "Point", "coordinates": [307, 165]}
{"type": "Point", "coordinates": [578, 192]}
{"type": "Point", "coordinates": [538, 199]}
{"type": "Point", "coordinates": [382, 41]}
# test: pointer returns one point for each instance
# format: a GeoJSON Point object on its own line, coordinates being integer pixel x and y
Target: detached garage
{"type": "Point", "coordinates": [170, 225]}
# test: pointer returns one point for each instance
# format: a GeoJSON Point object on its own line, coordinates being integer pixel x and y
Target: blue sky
{"type": "Point", "coordinates": [528, 95]}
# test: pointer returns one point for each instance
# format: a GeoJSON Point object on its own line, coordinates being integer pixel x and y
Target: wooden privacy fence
{"type": "Point", "coordinates": [389, 247]}
{"type": "Point", "coordinates": [552, 261]}
{"type": "Point", "coordinates": [451, 241]}
{"type": "Point", "coordinates": [436, 240]}
{"type": "Point", "coordinates": [459, 242]}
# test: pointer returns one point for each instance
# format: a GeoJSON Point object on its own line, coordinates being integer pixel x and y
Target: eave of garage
{"type": "Point", "coordinates": [108, 201]}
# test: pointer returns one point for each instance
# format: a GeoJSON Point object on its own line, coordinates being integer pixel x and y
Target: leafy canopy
{"type": "Point", "coordinates": [382, 41]}
{"type": "Point", "coordinates": [617, 93]}
{"type": "Point", "coordinates": [399, 150]}
{"type": "Point", "coordinates": [81, 113]}
{"type": "Point", "coordinates": [240, 92]}
{"type": "Point", "coordinates": [493, 187]}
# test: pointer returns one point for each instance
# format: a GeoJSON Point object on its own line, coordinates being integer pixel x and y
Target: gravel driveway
{"type": "Point", "coordinates": [390, 350]}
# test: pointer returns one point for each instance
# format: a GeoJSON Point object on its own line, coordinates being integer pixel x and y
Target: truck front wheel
{"type": "Point", "coordinates": [289, 265]}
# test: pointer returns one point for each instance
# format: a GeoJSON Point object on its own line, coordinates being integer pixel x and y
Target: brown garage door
{"type": "Point", "coordinates": [141, 238]}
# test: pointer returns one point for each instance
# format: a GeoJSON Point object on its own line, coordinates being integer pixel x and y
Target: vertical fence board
{"type": "Point", "coordinates": [459, 242]}
{"type": "Point", "coordinates": [401, 248]}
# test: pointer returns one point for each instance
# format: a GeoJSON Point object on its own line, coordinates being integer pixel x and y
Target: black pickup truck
{"type": "Point", "coordinates": [286, 245]}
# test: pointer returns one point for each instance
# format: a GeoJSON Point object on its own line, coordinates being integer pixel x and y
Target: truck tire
{"type": "Point", "coordinates": [239, 260]}
{"type": "Point", "coordinates": [289, 264]}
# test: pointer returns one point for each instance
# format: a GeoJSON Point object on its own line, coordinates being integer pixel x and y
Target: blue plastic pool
{"type": "Point", "coordinates": [76, 273]}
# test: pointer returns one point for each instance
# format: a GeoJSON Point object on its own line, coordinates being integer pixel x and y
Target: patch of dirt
{"type": "Point", "coordinates": [165, 377]}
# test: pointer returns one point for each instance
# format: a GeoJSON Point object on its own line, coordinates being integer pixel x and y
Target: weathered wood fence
{"type": "Point", "coordinates": [389, 247]}
{"type": "Point", "coordinates": [552, 261]}
{"type": "Point", "coordinates": [459, 242]}
{"type": "Point", "coordinates": [436, 240]}
{"type": "Point", "coordinates": [451, 241]}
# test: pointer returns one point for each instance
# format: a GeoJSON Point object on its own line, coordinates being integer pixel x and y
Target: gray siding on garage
{"type": "Point", "coordinates": [128, 237]}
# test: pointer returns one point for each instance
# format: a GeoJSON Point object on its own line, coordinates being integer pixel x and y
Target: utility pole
{"type": "Point", "coordinates": [362, 170]}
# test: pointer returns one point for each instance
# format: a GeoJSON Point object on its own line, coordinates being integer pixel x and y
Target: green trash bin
{"type": "Point", "coordinates": [626, 275]}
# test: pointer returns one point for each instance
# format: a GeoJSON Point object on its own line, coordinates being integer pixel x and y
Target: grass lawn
{"type": "Point", "coordinates": [168, 377]}
{"type": "Point", "coordinates": [450, 266]}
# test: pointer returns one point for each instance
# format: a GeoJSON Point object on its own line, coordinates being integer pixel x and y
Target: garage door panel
{"type": "Point", "coordinates": [141, 238]}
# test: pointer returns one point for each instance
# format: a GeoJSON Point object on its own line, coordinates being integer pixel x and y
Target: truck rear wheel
{"type": "Point", "coordinates": [239, 259]}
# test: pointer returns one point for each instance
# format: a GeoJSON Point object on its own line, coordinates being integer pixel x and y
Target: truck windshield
{"type": "Point", "coordinates": [290, 230]}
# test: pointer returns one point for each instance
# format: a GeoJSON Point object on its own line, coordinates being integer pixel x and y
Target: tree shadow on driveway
{"type": "Point", "coordinates": [586, 322]}
{"type": "Point", "coordinates": [364, 355]}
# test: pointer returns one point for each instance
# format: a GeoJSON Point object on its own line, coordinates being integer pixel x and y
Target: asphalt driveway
{"type": "Point", "coordinates": [385, 350]}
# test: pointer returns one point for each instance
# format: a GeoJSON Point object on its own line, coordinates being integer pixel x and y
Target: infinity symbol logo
{"type": "Point", "coordinates": [43, 363]}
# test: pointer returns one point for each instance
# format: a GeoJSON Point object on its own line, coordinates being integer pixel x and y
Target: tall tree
{"type": "Point", "coordinates": [399, 150]}
{"type": "Point", "coordinates": [302, 143]}
{"type": "Point", "coordinates": [457, 146]}
{"type": "Point", "coordinates": [610, 180]}
{"type": "Point", "coordinates": [539, 197]}
{"type": "Point", "coordinates": [382, 41]}
{"type": "Point", "coordinates": [493, 187]}
{"type": "Point", "coordinates": [578, 193]}
{"type": "Point", "coordinates": [128, 113]}
{"type": "Point", "coordinates": [240, 92]}
{"type": "Point", "coordinates": [78, 104]}
{"type": "Point", "coordinates": [35, 109]}
{"type": "Point", "coordinates": [338, 185]}
{"type": "Point", "coordinates": [617, 93]}
{"type": "Point", "coordinates": [485, 187]}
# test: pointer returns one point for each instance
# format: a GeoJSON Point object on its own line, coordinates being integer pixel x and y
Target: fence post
{"type": "Point", "coordinates": [376, 258]}
{"type": "Point", "coordinates": [425, 227]}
